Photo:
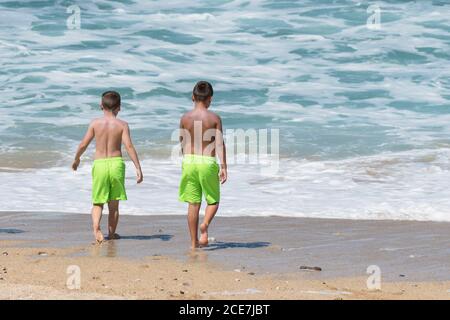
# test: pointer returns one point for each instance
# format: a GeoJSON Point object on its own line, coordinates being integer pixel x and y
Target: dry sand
{"type": "Point", "coordinates": [41, 273]}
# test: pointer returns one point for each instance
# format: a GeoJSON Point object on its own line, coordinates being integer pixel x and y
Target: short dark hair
{"type": "Point", "coordinates": [202, 91]}
{"type": "Point", "coordinates": [111, 100]}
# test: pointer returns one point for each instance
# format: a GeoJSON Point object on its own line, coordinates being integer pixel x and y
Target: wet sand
{"type": "Point", "coordinates": [251, 257]}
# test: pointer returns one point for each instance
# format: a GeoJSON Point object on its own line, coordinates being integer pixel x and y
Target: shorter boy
{"type": "Point", "coordinates": [201, 137]}
{"type": "Point", "coordinates": [108, 170]}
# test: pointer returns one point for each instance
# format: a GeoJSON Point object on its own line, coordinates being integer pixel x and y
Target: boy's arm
{"type": "Point", "coordinates": [221, 152]}
{"type": "Point", "coordinates": [182, 142]}
{"type": "Point", "coordinates": [83, 146]}
{"type": "Point", "coordinates": [126, 140]}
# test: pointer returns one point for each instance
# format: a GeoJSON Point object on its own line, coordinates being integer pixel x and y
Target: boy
{"type": "Point", "coordinates": [108, 171]}
{"type": "Point", "coordinates": [200, 171]}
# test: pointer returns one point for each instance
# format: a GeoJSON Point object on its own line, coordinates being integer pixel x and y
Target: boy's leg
{"type": "Point", "coordinates": [97, 210]}
{"type": "Point", "coordinates": [210, 212]}
{"type": "Point", "coordinates": [113, 219]}
{"type": "Point", "coordinates": [193, 212]}
{"type": "Point", "coordinates": [211, 190]}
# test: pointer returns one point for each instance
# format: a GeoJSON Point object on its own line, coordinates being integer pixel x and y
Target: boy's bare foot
{"type": "Point", "coordinates": [195, 245]}
{"type": "Point", "coordinates": [204, 235]}
{"type": "Point", "coordinates": [99, 236]}
{"type": "Point", "coordinates": [114, 236]}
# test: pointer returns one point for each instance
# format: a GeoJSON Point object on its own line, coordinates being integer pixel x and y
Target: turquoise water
{"type": "Point", "coordinates": [363, 114]}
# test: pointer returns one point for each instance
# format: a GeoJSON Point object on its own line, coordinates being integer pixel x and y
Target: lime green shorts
{"type": "Point", "coordinates": [108, 180]}
{"type": "Point", "coordinates": [200, 176]}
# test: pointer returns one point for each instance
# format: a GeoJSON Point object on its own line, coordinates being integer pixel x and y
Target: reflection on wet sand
{"type": "Point", "coordinates": [111, 248]}
{"type": "Point", "coordinates": [197, 256]}
{"type": "Point", "coordinates": [106, 249]}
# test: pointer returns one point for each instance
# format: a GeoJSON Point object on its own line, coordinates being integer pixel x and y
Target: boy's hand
{"type": "Point", "coordinates": [139, 175]}
{"type": "Point", "coordinates": [75, 164]}
{"type": "Point", "coordinates": [223, 175]}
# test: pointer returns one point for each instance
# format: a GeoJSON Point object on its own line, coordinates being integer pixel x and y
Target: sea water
{"type": "Point", "coordinates": [363, 113]}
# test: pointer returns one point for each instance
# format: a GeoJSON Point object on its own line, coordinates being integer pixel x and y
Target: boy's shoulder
{"type": "Point", "coordinates": [186, 116]}
{"type": "Point", "coordinates": [97, 121]}
{"type": "Point", "coordinates": [214, 116]}
{"type": "Point", "coordinates": [192, 113]}
{"type": "Point", "coordinates": [188, 113]}
{"type": "Point", "coordinates": [212, 113]}
{"type": "Point", "coordinates": [122, 122]}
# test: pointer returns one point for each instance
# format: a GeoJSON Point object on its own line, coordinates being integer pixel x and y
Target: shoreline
{"type": "Point", "coordinates": [263, 253]}
{"type": "Point", "coordinates": [282, 216]}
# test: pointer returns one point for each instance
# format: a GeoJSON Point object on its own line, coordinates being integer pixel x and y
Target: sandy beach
{"type": "Point", "coordinates": [251, 258]}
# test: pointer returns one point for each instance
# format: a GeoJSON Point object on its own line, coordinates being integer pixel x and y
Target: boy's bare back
{"type": "Point", "coordinates": [208, 120]}
{"type": "Point", "coordinates": [108, 133]}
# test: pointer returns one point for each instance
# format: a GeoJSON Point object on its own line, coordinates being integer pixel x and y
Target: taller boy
{"type": "Point", "coordinates": [108, 171]}
{"type": "Point", "coordinates": [201, 137]}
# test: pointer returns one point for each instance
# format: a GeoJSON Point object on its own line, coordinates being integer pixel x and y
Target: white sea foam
{"type": "Point", "coordinates": [399, 186]}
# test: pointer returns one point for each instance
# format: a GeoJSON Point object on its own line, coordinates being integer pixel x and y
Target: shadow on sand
{"type": "Point", "coordinates": [11, 231]}
{"type": "Point", "coordinates": [228, 245]}
{"type": "Point", "coordinates": [162, 237]}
